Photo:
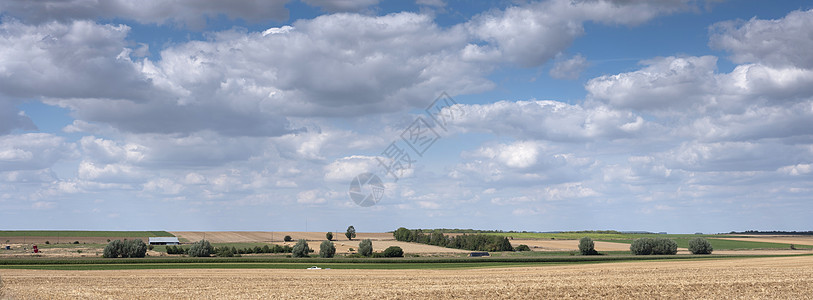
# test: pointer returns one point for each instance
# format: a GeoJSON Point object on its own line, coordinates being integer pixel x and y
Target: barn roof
{"type": "Point", "coordinates": [164, 240]}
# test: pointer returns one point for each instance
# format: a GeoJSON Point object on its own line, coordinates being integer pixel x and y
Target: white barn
{"type": "Point", "coordinates": [164, 241]}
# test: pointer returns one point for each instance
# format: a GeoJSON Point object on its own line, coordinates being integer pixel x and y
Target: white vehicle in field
{"type": "Point", "coordinates": [314, 268]}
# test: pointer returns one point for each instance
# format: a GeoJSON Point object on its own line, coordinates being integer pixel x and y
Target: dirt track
{"type": "Point", "coordinates": [766, 278]}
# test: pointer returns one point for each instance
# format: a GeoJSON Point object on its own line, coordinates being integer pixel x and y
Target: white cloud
{"type": "Point", "coordinates": [781, 42]}
{"type": "Point", "coordinates": [532, 34]}
{"type": "Point", "coordinates": [663, 84]}
{"type": "Point", "coordinates": [108, 173]}
{"type": "Point", "coordinates": [570, 68]}
{"type": "Point", "coordinates": [189, 12]}
{"type": "Point", "coordinates": [796, 170]}
{"type": "Point", "coordinates": [345, 169]}
{"type": "Point", "coordinates": [310, 197]}
{"type": "Point", "coordinates": [68, 61]}
{"type": "Point", "coordinates": [550, 120]}
{"type": "Point", "coordinates": [164, 186]}
{"type": "Point", "coordinates": [32, 151]}
{"type": "Point", "coordinates": [521, 154]}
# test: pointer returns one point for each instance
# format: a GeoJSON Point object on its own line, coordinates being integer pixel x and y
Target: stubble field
{"type": "Point", "coordinates": [775, 277]}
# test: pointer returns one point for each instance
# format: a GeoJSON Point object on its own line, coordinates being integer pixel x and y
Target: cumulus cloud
{"type": "Point", "coordinates": [663, 84]}
{"type": "Point", "coordinates": [570, 68]}
{"type": "Point", "coordinates": [532, 34]}
{"type": "Point", "coordinates": [188, 12]}
{"type": "Point", "coordinates": [780, 42]}
{"type": "Point", "coordinates": [33, 151]}
{"type": "Point", "coordinates": [343, 170]}
{"type": "Point", "coordinates": [550, 120]}
{"type": "Point", "coordinates": [68, 60]}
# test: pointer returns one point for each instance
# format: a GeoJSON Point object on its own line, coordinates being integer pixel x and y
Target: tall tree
{"type": "Point", "coordinates": [351, 232]}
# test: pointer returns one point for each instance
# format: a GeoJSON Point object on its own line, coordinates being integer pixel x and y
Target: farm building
{"type": "Point", "coordinates": [164, 241]}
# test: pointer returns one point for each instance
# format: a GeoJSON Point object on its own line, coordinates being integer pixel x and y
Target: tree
{"type": "Point", "coordinates": [113, 249]}
{"type": "Point", "coordinates": [701, 246]}
{"type": "Point", "coordinates": [664, 247]}
{"type": "Point", "coordinates": [393, 251]}
{"type": "Point", "coordinates": [200, 248]}
{"type": "Point", "coordinates": [327, 249]}
{"type": "Point", "coordinates": [126, 248]}
{"type": "Point", "coordinates": [301, 249]}
{"type": "Point", "coordinates": [329, 236]}
{"type": "Point", "coordinates": [351, 232]}
{"type": "Point", "coordinates": [587, 247]}
{"type": "Point", "coordinates": [522, 248]}
{"type": "Point", "coordinates": [642, 246]}
{"type": "Point", "coordinates": [366, 247]}
{"type": "Point", "coordinates": [287, 238]}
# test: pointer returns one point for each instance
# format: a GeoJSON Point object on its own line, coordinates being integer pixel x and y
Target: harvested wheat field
{"type": "Point", "coordinates": [568, 245]}
{"type": "Point", "coordinates": [776, 277]}
{"type": "Point", "coordinates": [798, 240]}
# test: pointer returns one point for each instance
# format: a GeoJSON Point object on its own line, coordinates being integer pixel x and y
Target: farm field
{"type": "Point", "coordinates": [271, 236]}
{"type": "Point", "coordinates": [568, 245]}
{"type": "Point", "coordinates": [774, 277]}
{"type": "Point", "coordinates": [88, 237]}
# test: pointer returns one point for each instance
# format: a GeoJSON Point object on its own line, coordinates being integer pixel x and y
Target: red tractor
{"type": "Point", "coordinates": [36, 250]}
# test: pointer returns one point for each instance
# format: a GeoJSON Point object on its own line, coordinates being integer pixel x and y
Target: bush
{"type": "Point", "coordinates": [393, 251]}
{"type": "Point", "coordinates": [287, 238]}
{"type": "Point", "coordinates": [329, 236]}
{"type": "Point", "coordinates": [664, 247]}
{"type": "Point", "coordinates": [647, 246]}
{"type": "Point", "coordinates": [522, 248]}
{"type": "Point", "coordinates": [700, 246]}
{"type": "Point", "coordinates": [301, 249]}
{"type": "Point", "coordinates": [175, 250]}
{"type": "Point", "coordinates": [587, 246]}
{"type": "Point", "coordinates": [224, 252]}
{"type": "Point", "coordinates": [200, 248]}
{"type": "Point", "coordinates": [47, 242]}
{"type": "Point", "coordinates": [126, 248]}
{"type": "Point", "coordinates": [76, 242]}
{"type": "Point", "coordinates": [327, 249]}
{"type": "Point", "coordinates": [366, 247]}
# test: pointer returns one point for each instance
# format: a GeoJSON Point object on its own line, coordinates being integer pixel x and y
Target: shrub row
{"type": "Point", "coordinates": [656, 246]}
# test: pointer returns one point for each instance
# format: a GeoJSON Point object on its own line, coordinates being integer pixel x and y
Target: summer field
{"type": "Point", "coordinates": [772, 277]}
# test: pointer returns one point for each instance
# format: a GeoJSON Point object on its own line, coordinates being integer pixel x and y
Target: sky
{"type": "Point", "coordinates": [673, 115]}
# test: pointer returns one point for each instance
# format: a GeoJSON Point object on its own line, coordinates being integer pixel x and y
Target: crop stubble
{"type": "Point", "coordinates": [779, 277]}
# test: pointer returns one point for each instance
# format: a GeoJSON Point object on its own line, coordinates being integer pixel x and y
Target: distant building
{"type": "Point", "coordinates": [164, 241]}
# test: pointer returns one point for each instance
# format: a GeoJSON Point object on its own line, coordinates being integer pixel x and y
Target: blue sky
{"type": "Point", "coordinates": [678, 116]}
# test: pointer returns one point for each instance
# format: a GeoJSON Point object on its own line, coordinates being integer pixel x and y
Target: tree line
{"type": "Point", "coordinates": [471, 242]}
